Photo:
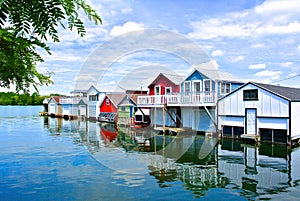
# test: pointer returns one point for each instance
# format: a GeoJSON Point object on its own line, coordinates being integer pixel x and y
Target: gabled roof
{"type": "Point", "coordinates": [92, 88]}
{"type": "Point", "coordinates": [82, 100]}
{"type": "Point", "coordinates": [46, 100]}
{"type": "Point", "coordinates": [134, 97]}
{"type": "Point", "coordinates": [211, 71]}
{"type": "Point", "coordinates": [116, 98]}
{"type": "Point", "coordinates": [175, 79]}
{"type": "Point", "coordinates": [292, 94]}
{"type": "Point", "coordinates": [79, 92]}
{"type": "Point", "coordinates": [127, 100]}
{"type": "Point", "coordinates": [55, 98]}
{"type": "Point", "coordinates": [289, 93]}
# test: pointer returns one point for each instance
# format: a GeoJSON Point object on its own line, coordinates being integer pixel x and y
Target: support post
{"type": "Point", "coordinates": [164, 119]}
{"type": "Point", "coordinates": [155, 117]}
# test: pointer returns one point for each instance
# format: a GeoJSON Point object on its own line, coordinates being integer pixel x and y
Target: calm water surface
{"type": "Point", "coordinates": [53, 159]}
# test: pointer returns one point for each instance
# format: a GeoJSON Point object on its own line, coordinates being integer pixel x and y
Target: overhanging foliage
{"type": "Point", "coordinates": [25, 26]}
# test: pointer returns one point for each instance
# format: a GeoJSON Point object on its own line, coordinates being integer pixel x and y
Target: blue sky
{"type": "Point", "coordinates": [252, 39]}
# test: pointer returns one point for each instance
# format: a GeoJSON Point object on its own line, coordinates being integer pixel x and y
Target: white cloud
{"type": "Point", "coordinates": [257, 66]}
{"type": "Point", "coordinates": [279, 6]}
{"type": "Point", "coordinates": [290, 28]}
{"type": "Point", "coordinates": [287, 64]}
{"type": "Point", "coordinates": [126, 10]}
{"type": "Point", "coordinates": [218, 28]}
{"type": "Point", "coordinates": [293, 74]}
{"type": "Point", "coordinates": [215, 64]}
{"type": "Point", "coordinates": [258, 45]}
{"type": "Point", "coordinates": [298, 47]}
{"type": "Point", "coordinates": [217, 53]}
{"type": "Point", "coordinates": [125, 28]}
{"type": "Point", "coordinates": [279, 17]}
{"type": "Point", "coordinates": [267, 73]}
{"type": "Point", "coordinates": [113, 82]}
{"type": "Point", "coordinates": [239, 58]}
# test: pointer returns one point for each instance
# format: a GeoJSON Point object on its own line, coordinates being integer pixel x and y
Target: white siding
{"type": "Point", "coordinates": [92, 109]}
{"type": "Point", "coordinates": [268, 104]}
{"type": "Point", "coordinates": [295, 119]}
{"type": "Point", "coordinates": [187, 117]}
{"type": "Point", "coordinates": [232, 105]}
{"type": "Point", "coordinates": [66, 109]}
{"type": "Point", "coordinates": [272, 110]}
{"type": "Point", "coordinates": [202, 121]}
{"type": "Point", "coordinates": [272, 123]}
{"type": "Point", "coordinates": [272, 105]}
{"type": "Point", "coordinates": [52, 108]}
{"type": "Point", "coordinates": [74, 109]}
{"type": "Point", "coordinates": [159, 119]}
{"type": "Point", "coordinates": [231, 121]}
{"type": "Point", "coordinates": [69, 109]}
{"type": "Point", "coordinates": [82, 110]}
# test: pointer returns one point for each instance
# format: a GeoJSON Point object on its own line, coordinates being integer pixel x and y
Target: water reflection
{"type": "Point", "coordinates": [197, 163]}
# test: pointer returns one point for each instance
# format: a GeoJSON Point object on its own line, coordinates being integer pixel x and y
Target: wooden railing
{"type": "Point", "coordinates": [179, 98]}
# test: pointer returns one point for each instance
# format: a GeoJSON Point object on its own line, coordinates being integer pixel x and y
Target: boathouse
{"type": "Point", "coordinates": [94, 99]}
{"type": "Point", "coordinates": [193, 103]}
{"type": "Point", "coordinates": [82, 108]}
{"type": "Point", "coordinates": [54, 106]}
{"type": "Point", "coordinates": [261, 111]}
{"type": "Point", "coordinates": [126, 109]}
{"type": "Point", "coordinates": [70, 106]}
{"type": "Point", "coordinates": [45, 104]}
{"type": "Point", "coordinates": [162, 90]}
{"type": "Point", "coordinates": [109, 108]}
{"type": "Point", "coordinates": [199, 94]}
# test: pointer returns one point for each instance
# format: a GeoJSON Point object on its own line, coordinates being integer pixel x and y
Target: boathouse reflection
{"type": "Point", "coordinates": [199, 162]}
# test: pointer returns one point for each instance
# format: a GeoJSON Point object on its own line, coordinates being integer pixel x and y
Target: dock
{"type": "Point", "coordinates": [254, 137]}
{"type": "Point", "coordinates": [65, 116]}
{"type": "Point", "coordinates": [169, 130]}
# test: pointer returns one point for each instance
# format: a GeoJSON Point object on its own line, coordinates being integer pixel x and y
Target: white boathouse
{"type": "Point", "coordinates": [264, 112]}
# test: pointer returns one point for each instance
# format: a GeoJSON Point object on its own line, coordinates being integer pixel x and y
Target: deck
{"type": "Point", "coordinates": [179, 99]}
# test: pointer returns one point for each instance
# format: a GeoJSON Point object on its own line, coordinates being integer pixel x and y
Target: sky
{"type": "Point", "coordinates": [254, 40]}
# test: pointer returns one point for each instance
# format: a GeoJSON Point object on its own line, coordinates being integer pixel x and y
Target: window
{"type": "Point", "coordinates": [168, 90]}
{"type": "Point", "coordinates": [207, 85]}
{"type": "Point", "coordinates": [123, 109]}
{"type": "Point", "coordinates": [93, 97]}
{"type": "Point", "coordinates": [225, 88]}
{"type": "Point", "coordinates": [107, 101]}
{"type": "Point", "coordinates": [197, 86]}
{"type": "Point", "coordinates": [187, 86]}
{"type": "Point", "coordinates": [250, 94]}
{"type": "Point", "coordinates": [157, 90]}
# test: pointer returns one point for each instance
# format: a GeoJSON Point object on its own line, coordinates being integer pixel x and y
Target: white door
{"type": "Point", "coordinates": [52, 108]}
{"type": "Point", "coordinates": [251, 121]}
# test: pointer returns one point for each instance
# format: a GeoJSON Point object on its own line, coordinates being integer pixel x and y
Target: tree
{"type": "Point", "coordinates": [26, 26]}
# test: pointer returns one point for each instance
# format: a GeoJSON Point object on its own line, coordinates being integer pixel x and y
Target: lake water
{"type": "Point", "coordinates": [44, 158]}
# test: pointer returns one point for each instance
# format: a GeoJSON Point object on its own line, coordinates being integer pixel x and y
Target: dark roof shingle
{"type": "Point", "coordinates": [290, 93]}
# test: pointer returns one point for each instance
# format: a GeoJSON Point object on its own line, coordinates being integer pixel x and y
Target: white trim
{"type": "Point", "coordinates": [225, 88]}
{"type": "Point", "coordinates": [155, 90]}
{"type": "Point", "coordinates": [210, 84]}
{"type": "Point", "coordinates": [193, 85]}
{"type": "Point", "coordinates": [185, 82]}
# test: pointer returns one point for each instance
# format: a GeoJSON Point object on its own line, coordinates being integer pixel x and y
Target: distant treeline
{"type": "Point", "coordinates": [11, 98]}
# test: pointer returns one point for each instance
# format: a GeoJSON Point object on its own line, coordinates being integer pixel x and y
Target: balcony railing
{"type": "Point", "coordinates": [193, 98]}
